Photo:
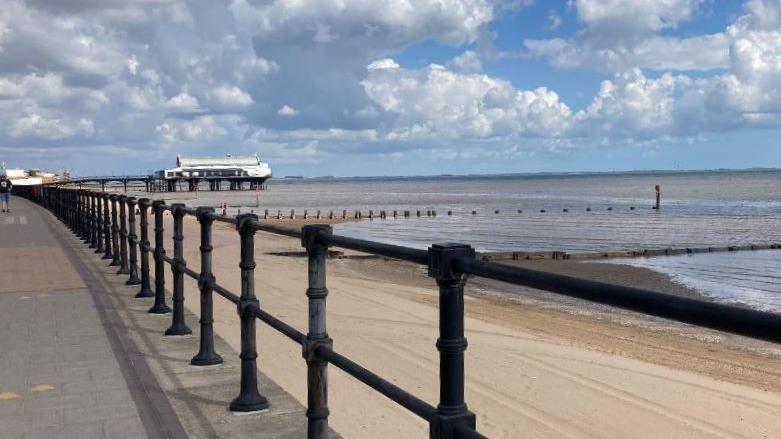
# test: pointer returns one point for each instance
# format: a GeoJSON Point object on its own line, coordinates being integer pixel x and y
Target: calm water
{"type": "Point", "coordinates": [752, 278]}
{"type": "Point", "coordinates": [698, 209]}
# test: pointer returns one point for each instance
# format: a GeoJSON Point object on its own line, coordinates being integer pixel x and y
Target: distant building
{"type": "Point", "coordinates": [29, 177]}
{"type": "Point", "coordinates": [228, 168]}
{"type": "Point", "coordinates": [194, 170]}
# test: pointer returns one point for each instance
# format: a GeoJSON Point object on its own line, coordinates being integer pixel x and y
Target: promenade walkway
{"type": "Point", "coordinates": [81, 358]}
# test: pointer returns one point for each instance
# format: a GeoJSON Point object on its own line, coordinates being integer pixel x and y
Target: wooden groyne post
{"type": "Point", "coordinates": [658, 190]}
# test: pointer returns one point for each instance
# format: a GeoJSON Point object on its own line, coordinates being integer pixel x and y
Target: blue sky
{"type": "Point", "coordinates": [408, 87]}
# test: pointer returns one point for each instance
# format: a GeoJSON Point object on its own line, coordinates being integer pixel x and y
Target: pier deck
{"type": "Point", "coordinates": [82, 358]}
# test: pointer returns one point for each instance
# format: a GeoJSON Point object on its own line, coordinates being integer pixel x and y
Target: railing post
{"type": "Point", "coordinates": [132, 240]}
{"type": "Point", "coordinates": [60, 205]}
{"type": "Point", "coordinates": [69, 201]}
{"type": "Point", "coordinates": [76, 198]}
{"type": "Point", "coordinates": [159, 307]}
{"type": "Point", "coordinates": [115, 261]}
{"type": "Point", "coordinates": [106, 227]}
{"type": "Point", "coordinates": [84, 216]}
{"type": "Point", "coordinates": [206, 355]}
{"type": "Point", "coordinates": [93, 232]}
{"type": "Point", "coordinates": [317, 368]}
{"type": "Point", "coordinates": [451, 344]}
{"type": "Point", "coordinates": [146, 291]}
{"type": "Point", "coordinates": [99, 223]}
{"type": "Point", "coordinates": [80, 214]}
{"type": "Point", "coordinates": [249, 399]}
{"type": "Point", "coordinates": [178, 325]}
{"type": "Point", "coordinates": [123, 266]}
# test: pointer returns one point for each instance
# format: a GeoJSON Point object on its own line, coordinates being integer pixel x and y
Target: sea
{"type": "Point", "coordinates": [566, 212]}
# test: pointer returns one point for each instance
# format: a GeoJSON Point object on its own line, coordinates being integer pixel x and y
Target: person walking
{"type": "Point", "coordinates": [5, 192]}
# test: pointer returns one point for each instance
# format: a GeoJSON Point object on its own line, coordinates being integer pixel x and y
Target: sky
{"type": "Point", "coordinates": [391, 87]}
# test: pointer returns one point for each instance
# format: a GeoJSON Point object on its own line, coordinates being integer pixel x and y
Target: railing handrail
{"type": "Point", "coordinates": [449, 264]}
{"type": "Point", "coordinates": [741, 321]}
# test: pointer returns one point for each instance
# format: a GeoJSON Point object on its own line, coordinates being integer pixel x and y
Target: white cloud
{"type": "Point", "coordinates": [631, 105]}
{"type": "Point", "coordinates": [619, 35]}
{"type": "Point", "coordinates": [367, 112]}
{"type": "Point", "coordinates": [385, 63]}
{"type": "Point", "coordinates": [659, 53]}
{"type": "Point", "coordinates": [621, 16]}
{"type": "Point", "coordinates": [132, 64]}
{"type": "Point", "coordinates": [467, 62]}
{"type": "Point", "coordinates": [182, 102]}
{"type": "Point", "coordinates": [262, 65]}
{"type": "Point", "coordinates": [35, 125]}
{"type": "Point", "coordinates": [554, 20]}
{"type": "Point", "coordinates": [231, 97]}
{"type": "Point", "coordinates": [200, 129]}
{"type": "Point", "coordinates": [392, 23]}
{"type": "Point", "coordinates": [435, 101]}
{"type": "Point", "coordinates": [287, 110]}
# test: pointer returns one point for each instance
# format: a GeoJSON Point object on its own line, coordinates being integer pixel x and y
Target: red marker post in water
{"type": "Point", "coordinates": [658, 196]}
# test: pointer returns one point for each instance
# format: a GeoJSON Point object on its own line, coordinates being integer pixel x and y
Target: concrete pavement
{"type": "Point", "coordinates": [81, 357]}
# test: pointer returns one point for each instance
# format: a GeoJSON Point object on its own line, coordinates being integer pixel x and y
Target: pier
{"type": "Point", "coordinates": [150, 183]}
{"type": "Point", "coordinates": [120, 229]}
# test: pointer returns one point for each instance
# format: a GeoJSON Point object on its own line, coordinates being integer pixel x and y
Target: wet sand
{"type": "Point", "coordinates": [537, 366]}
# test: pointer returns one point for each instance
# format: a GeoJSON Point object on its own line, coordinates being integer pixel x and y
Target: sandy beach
{"type": "Point", "coordinates": [537, 366]}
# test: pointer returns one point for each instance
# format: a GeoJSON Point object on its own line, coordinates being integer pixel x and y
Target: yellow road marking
{"type": "Point", "coordinates": [42, 388]}
{"type": "Point", "coordinates": [5, 396]}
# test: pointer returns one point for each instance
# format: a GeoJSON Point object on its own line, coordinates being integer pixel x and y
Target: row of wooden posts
{"type": "Point", "coordinates": [382, 214]}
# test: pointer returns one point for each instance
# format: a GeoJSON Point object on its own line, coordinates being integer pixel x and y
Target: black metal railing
{"type": "Point", "coordinates": [449, 264]}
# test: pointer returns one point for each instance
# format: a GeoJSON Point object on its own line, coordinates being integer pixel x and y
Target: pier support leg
{"type": "Point", "coordinates": [249, 399]}
{"type": "Point", "coordinates": [451, 344]}
{"type": "Point", "coordinates": [206, 355]}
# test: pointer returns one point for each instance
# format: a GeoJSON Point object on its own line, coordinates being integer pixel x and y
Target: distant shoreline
{"type": "Point", "coordinates": [551, 174]}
